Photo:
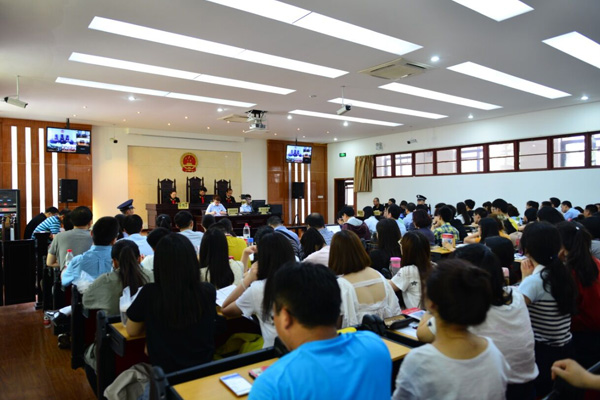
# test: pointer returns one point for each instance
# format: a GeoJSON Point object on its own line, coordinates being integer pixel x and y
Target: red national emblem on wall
{"type": "Point", "coordinates": [189, 162]}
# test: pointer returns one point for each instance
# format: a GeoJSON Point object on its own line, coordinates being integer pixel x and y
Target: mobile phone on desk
{"type": "Point", "coordinates": [255, 373]}
{"type": "Point", "coordinates": [237, 384]}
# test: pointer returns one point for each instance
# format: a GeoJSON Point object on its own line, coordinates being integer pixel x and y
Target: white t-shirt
{"type": "Point", "coordinates": [319, 257]}
{"type": "Point", "coordinates": [236, 267]}
{"type": "Point", "coordinates": [408, 280]}
{"type": "Point", "coordinates": [250, 302]}
{"type": "Point", "coordinates": [148, 262]}
{"type": "Point", "coordinates": [195, 238]}
{"type": "Point", "coordinates": [426, 373]}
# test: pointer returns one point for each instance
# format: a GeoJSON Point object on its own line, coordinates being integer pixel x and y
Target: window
{"type": "Point", "coordinates": [502, 157]}
{"type": "Point", "coordinates": [569, 152]}
{"type": "Point", "coordinates": [424, 163]}
{"type": "Point", "coordinates": [383, 166]}
{"type": "Point", "coordinates": [471, 159]}
{"type": "Point", "coordinates": [446, 161]}
{"type": "Point", "coordinates": [533, 154]}
{"type": "Point", "coordinates": [403, 164]}
{"type": "Point", "coordinates": [596, 149]}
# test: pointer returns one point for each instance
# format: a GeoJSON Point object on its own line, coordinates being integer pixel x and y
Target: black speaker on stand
{"type": "Point", "coordinates": [67, 191]}
{"type": "Point", "coordinates": [297, 190]}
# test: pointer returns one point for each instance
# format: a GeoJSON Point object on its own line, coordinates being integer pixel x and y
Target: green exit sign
{"type": "Point", "coordinates": [342, 154]}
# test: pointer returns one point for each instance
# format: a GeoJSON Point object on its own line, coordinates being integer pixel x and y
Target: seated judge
{"type": "Point", "coordinates": [216, 208]}
{"type": "Point", "coordinates": [247, 206]}
{"type": "Point", "coordinates": [203, 198]}
{"type": "Point", "coordinates": [173, 199]}
{"type": "Point", "coordinates": [229, 199]}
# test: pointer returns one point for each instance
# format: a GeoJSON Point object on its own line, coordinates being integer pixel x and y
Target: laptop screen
{"type": "Point", "coordinates": [334, 228]}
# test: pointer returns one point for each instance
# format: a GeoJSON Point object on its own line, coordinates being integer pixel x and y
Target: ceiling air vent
{"type": "Point", "coordinates": [235, 118]}
{"type": "Point", "coordinates": [396, 69]}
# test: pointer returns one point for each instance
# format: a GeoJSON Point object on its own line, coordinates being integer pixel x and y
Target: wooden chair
{"type": "Point", "coordinates": [221, 187]}
{"type": "Point", "coordinates": [164, 189]}
{"type": "Point", "coordinates": [192, 188]}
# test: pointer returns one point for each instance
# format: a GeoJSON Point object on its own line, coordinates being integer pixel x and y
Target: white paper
{"type": "Point", "coordinates": [223, 293]}
{"type": "Point", "coordinates": [410, 330]}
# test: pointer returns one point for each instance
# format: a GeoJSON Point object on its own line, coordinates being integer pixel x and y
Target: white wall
{"type": "Point", "coordinates": [580, 186]}
{"type": "Point", "coordinates": [109, 174]}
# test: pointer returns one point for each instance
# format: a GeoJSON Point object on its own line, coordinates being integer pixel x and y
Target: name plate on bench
{"type": "Point", "coordinates": [183, 206]}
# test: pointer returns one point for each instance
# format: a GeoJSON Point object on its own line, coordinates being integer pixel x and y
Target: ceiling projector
{"type": "Point", "coordinates": [344, 109]}
{"type": "Point", "coordinates": [15, 102]}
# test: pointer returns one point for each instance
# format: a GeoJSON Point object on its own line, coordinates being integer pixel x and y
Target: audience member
{"type": "Point", "coordinates": [575, 374]}
{"type": "Point", "coordinates": [500, 208]}
{"type": "Point", "coordinates": [422, 224]}
{"type": "Point", "coordinates": [393, 212]}
{"type": "Point", "coordinates": [207, 221]}
{"type": "Point", "coordinates": [410, 209]}
{"type": "Point", "coordinates": [38, 219]}
{"type": "Point", "coordinates": [568, 211]}
{"type": "Point", "coordinates": [377, 206]}
{"type": "Point", "coordinates": [470, 204]}
{"type": "Point", "coordinates": [593, 227]}
{"type": "Point", "coordinates": [590, 210]}
{"type": "Point", "coordinates": [478, 214]}
{"type": "Point", "coordinates": [488, 227]}
{"type": "Point", "coordinates": [388, 237]}
{"type": "Point", "coordinates": [550, 214]}
{"type": "Point", "coordinates": [52, 224]}
{"type": "Point", "coordinates": [164, 221]}
{"type": "Point", "coordinates": [457, 224]}
{"type": "Point", "coordinates": [532, 204]}
{"type": "Point", "coordinates": [277, 225]}
{"type": "Point", "coordinates": [555, 201]}
{"type": "Point", "coordinates": [441, 224]}
{"type": "Point", "coordinates": [315, 220]}
{"type": "Point", "coordinates": [133, 226]}
{"type": "Point", "coordinates": [313, 242]}
{"type": "Point", "coordinates": [184, 221]}
{"type": "Point", "coordinates": [153, 238]}
{"type": "Point", "coordinates": [351, 223]}
{"type": "Point", "coordinates": [215, 265]}
{"type": "Point", "coordinates": [370, 220]}
{"type": "Point", "coordinates": [462, 214]}
{"type": "Point", "coordinates": [514, 214]}
{"type": "Point", "coordinates": [78, 240]}
{"type": "Point", "coordinates": [487, 205]}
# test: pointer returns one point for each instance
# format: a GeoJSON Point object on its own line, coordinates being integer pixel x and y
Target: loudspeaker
{"type": "Point", "coordinates": [297, 190]}
{"type": "Point", "coordinates": [67, 191]}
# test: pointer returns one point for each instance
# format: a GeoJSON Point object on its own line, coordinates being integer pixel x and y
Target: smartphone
{"type": "Point", "coordinates": [255, 373]}
{"type": "Point", "coordinates": [238, 385]}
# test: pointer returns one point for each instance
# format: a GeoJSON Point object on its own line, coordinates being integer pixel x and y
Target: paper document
{"type": "Point", "coordinates": [223, 293]}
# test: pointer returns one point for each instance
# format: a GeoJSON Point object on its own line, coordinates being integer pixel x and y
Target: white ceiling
{"type": "Point", "coordinates": [37, 38]}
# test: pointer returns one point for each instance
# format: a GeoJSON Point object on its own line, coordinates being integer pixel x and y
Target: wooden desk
{"type": "Point", "coordinates": [441, 250]}
{"type": "Point", "coordinates": [397, 350]}
{"type": "Point", "coordinates": [119, 338]}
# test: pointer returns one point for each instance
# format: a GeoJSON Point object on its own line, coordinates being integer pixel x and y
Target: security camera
{"type": "Point", "coordinates": [344, 109]}
{"type": "Point", "coordinates": [114, 140]}
{"type": "Point", "coordinates": [15, 102]}
{"type": "Point", "coordinates": [411, 141]}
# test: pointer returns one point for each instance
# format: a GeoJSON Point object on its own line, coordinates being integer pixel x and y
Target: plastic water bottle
{"type": "Point", "coordinates": [246, 232]}
{"type": "Point", "coordinates": [68, 258]}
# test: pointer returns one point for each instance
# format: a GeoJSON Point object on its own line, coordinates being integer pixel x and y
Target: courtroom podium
{"type": "Point", "coordinates": [155, 210]}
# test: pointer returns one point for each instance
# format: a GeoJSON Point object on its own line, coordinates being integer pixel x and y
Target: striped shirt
{"type": "Point", "coordinates": [549, 325]}
{"type": "Point", "coordinates": [50, 224]}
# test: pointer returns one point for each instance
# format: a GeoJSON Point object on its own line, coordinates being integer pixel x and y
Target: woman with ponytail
{"type": "Point", "coordinates": [585, 269]}
{"type": "Point", "coordinates": [215, 265]}
{"type": "Point", "coordinates": [550, 294]}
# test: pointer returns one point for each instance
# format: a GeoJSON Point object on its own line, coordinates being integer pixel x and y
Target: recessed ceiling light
{"type": "Point", "coordinates": [74, 115]}
{"type": "Point", "coordinates": [470, 116]}
{"type": "Point", "coordinates": [228, 121]}
{"type": "Point", "coordinates": [430, 94]}
{"type": "Point", "coordinates": [220, 110]}
{"type": "Point", "coordinates": [169, 123]}
{"type": "Point", "coordinates": [381, 107]}
{"type": "Point", "coordinates": [205, 46]}
{"type": "Point", "coordinates": [335, 139]}
{"type": "Point", "coordinates": [304, 137]}
{"type": "Point", "coordinates": [501, 78]}
{"type": "Point", "coordinates": [435, 59]}
{"type": "Point", "coordinates": [584, 97]}
{"type": "Point", "coordinates": [578, 46]}
{"type": "Point", "coordinates": [185, 117]}
{"type": "Point", "coordinates": [124, 120]}
{"type": "Point", "coordinates": [327, 131]}
{"type": "Point", "coordinates": [131, 98]}
{"type": "Point", "coordinates": [84, 106]}
{"type": "Point", "coordinates": [208, 127]}
{"type": "Point", "coordinates": [139, 112]}
{"type": "Point", "coordinates": [345, 123]}
{"type": "Point", "coordinates": [297, 129]}
{"type": "Point", "coordinates": [498, 10]}
{"type": "Point", "coordinates": [289, 117]}
{"type": "Point", "coordinates": [322, 24]}
{"type": "Point", "coordinates": [274, 134]}
{"type": "Point", "coordinates": [343, 118]}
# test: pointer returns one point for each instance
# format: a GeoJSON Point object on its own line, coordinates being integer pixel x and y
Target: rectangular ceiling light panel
{"type": "Point", "coordinates": [382, 107]}
{"type": "Point", "coordinates": [578, 46]}
{"type": "Point", "coordinates": [343, 118]}
{"type": "Point", "coordinates": [498, 10]}
{"type": "Point", "coordinates": [501, 78]}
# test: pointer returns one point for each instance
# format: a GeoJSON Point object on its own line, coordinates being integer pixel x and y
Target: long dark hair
{"type": "Point", "coordinates": [126, 253]}
{"type": "Point", "coordinates": [214, 256]}
{"type": "Point", "coordinates": [461, 209]}
{"type": "Point", "coordinates": [388, 235]}
{"type": "Point", "coordinates": [541, 241]}
{"type": "Point", "coordinates": [489, 228]}
{"type": "Point", "coordinates": [577, 241]}
{"type": "Point", "coordinates": [310, 240]}
{"type": "Point", "coordinates": [416, 250]}
{"type": "Point", "coordinates": [164, 221]}
{"type": "Point", "coordinates": [180, 299]}
{"type": "Point", "coordinates": [274, 250]}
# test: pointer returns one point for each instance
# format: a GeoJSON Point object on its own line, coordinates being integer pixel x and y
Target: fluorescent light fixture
{"type": "Point", "coordinates": [151, 92]}
{"type": "Point", "coordinates": [498, 10]}
{"type": "Point", "coordinates": [578, 46]}
{"type": "Point", "coordinates": [325, 25]}
{"type": "Point", "coordinates": [494, 76]}
{"type": "Point", "coordinates": [430, 94]}
{"type": "Point", "coordinates": [381, 107]}
{"type": "Point", "coordinates": [343, 118]}
{"type": "Point", "coordinates": [175, 73]}
{"type": "Point", "coordinates": [584, 97]}
{"type": "Point", "coordinates": [205, 46]}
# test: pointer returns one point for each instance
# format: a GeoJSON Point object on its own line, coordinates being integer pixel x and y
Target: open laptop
{"type": "Point", "coordinates": [335, 228]}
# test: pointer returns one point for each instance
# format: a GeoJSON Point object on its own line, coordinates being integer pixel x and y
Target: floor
{"type": "Point", "coordinates": [31, 364]}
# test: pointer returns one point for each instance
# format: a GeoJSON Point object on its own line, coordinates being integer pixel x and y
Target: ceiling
{"type": "Point", "coordinates": [37, 38]}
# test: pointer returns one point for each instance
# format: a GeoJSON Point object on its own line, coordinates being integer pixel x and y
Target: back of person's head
{"type": "Point", "coordinates": [183, 219]}
{"type": "Point", "coordinates": [489, 228]}
{"type": "Point", "coordinates": [501, 205]}
{"type": "Point", "coordinates": [488, 206]}
{"type": "Point", "coordinates": [469, 203]}
{"type": "Point", "coordinates": [546, 203]}
{"type": "Point", "coordinates": [592, 224]}
{"type": "Point", "coordinates": [293, 281]}
{"type": "Point", "coordinates": [530, 214]}
{"type": "Point", "coordinates": [163, 221]}
{"type": "Point", "coordinates": [274, 250]}
{"type": "Point", "coordinates": [533, 204]}
{"type": "Point", "coordinates": [403, 203]}
{"type": "Point", "coordinates": [576, 240]}
{"type": "Point", "coordinates": [208, 220]}
{"type": "Point", "coordinates": [274, 221]}
{"type": "Point", "coordinates": [368, 212]}
{"type": "Point", "coordinates": [311, 241]}
{"type": "Point", "coordinates": [460, 292]}
{"type": "Point", "coordinates": [133, 224]}
{"type": "Point", "coordinates": [567, 203]}
{"type": "Point", "coordinates": [81, 216]}
{"type": "Point", "coordinates": [226, 223]}
{"type": "Point", "coordinates": [315, 220]}
{"type": "Point", "coordinates": [416, 250]}
{"type": "Point", "coordinates": [388, 235]}
{"type": "Point", "coordinates": [461, 209]}
{"type": "Point", "coordinates": [394, 211]}
{"type": "Point", "coordinates": [105, 230]}
{"type": "Point", "coordinates": [541, 241]}
{"type": "Point", "coordinates": [591, 209]}
{"type": "Point", "coordinates": [347, 253]}
{"type": "Point", "coordinates": [453, 209]}
{"type": "Point", "coordinates": [411, 207]}
{"type": "Point", "coordinates": [121, 220]}
{"type": "Point", "coordinates": [392, 201]}
{"type": "Point", "coordinates": [65, 213]}
{"type": "Point", "coordinates": [499, 221]}
{"type": "Point", "coordinates": [438, 206]}
{"type": "Point", "coordinates": [555, 201]}
{"type": "Point", "coordinates": [214, 256]}
{"type": "Point", "coordinates": [482, 257]}
{"type": "Point", "coordinates": [550, 214]}
{"type": "Point", "coordinates": [155, 235]}
{"type": "Point", "coordinates": [512, 211]}
{"type": "Point", "coordinates": [179, 301]}
{"type": "Point", "coordinates": [421, 219]}
{"type": "Point", "coordinates": [445, 213]}
{"type": "Point", "coordinates": [348, 211]}
{"type": "Point", "coordinates": [263, 230]}
{"type": "Point", "coordinates": [126, 254]}
{"type": "Point", "coordinates": [421, 207]}
{"type": "Point", "coordinates": [482, 212]}
{"type": "Point", "coordinates": [503, 249]}
{"type": "Point", "coordinates": [51, 210]}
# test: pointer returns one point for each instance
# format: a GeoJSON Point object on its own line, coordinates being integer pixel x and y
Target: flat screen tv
{"type": "Point", "coordinates": [298, 154]}
{"type": "Point", "coordinates": [62, 140]}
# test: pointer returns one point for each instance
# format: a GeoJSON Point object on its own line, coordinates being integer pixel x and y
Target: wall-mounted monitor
{"type": "Point", "coordinates": [62, 140]}
{"type": "Point", "coordinates": [298, 154]}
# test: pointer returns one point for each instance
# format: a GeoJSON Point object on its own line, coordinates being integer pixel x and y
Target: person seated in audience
{"type": "Point", "coordinates": [164, 221]}
{"type": "Point", "coordinates": [38, 219]}
{"type": "Point", "coordinates": [514, 214]}
{"type": "Point", "coordinates": [216, 208]}
{"type": "Point", "coordinates": [52, 224]}
{"type": "Point", "coordinates": [177, 312]}
{"type": "Point", "coordinates": [369, 219]}
{"type": "Point", "coordinates": [441, 224]}
{"type": "Point", "coordinates": [96, 261]}
{"type": "Point", "coordinates": [546, 204]}
{"type": "Point", "coordinates": [377, 206]}
{"type": "Point", "coordinates": [235, 245]}
{"type": "Point", "coordinates": [315, 220]}
{"type": "Point", "coordinates": [422, 224]}
{"type": "Point", "coordinates": [500, 208]}
{"type": "Point", "coordinates": [410, 209]}
{"type": "Point", "coordinates": [393, 212]}
{"type": "Point", "coordinates": [153, 239]}
{"type": "Point", "coordinates": [121, 219]}
{"type": "Point", "coordinates": [590, 210]}
{"type": "Point", "coordinates": [532, 204]}
{"type": "Point", "coordinates": [277, 225]}
{"type": "Point", "coordinates": [507, 324]}
{"type": "Point", "coordinates": [415, 267]}
{"type": "Point", "coordinates": [459, 364]}
{"type": "Point", "coordinates": [173, 199]}
{"type": "Point", "coordinates": [555, 201]}
{"type": "Point", "coordinates": [488, 227]}
{"type": "Point", "coordinates": [207, 221]}
{"type": "Point", "coordinates": [133, 226]}
{"type": "Point", "coordinates": [568, 211]}
{"type": "Point", "coordinates": [462, 214]}
{"type": "Point", "coordinates": [550, 294]}
{"type": "Point", "coordinates": [184, 221]}
{"type": "Point", "coordinates": [478, 214]}
{"type": "Point", "coordinates": [364, 290]}
{"type": "Point", "coordinates": [253, 296]}
{"type": "Point", "coordinates": [322, 364]}
{"type": "Point", "coordinates": [215, 265]}
{"type": "Point", "coordinates": [504, 249]}
{"type": "Point", "coordinates": [550, 214]}
{"type": "Point", "coordinates": [593, 227]}
{"type": "Point", "coordinates": [462, 232]}
{"type": "Point", "coordinates": [247, 206]}
{"type": "Point", "coordinates": [388, 238]}
{"type": "Point", "coordinates": [391, 201]}
{"type": "Point", "coordinates": [529, 216]}
{"type": "Point", "coordinates": [314, 248]}
{"type": "Point", "coordinates": [78, 239]}
{"type": "Point", "coordinates": [575, 374]}
{"type": "Point", "coordinates": [351, 223]}
{"type": "Point", "coordinates": [585, 269]}
{"type": "Point", "coordinates": [487, 205]}
{"type": "Point", "coordinates": [470, 204]}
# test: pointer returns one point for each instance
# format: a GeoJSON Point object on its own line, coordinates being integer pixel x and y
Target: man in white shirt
{"type": "Point", "coordinates": [133, 226]}
{"type": "Point", "coordinates": [216, 208]}
{"type": "Point", "coordinates": [247, 207]}
{"type": "Point", "coordinates": [410, 208]}
{"type": "Point", "coordinates": [370, 219]}
{"type": "Point", "coordinates": [185, 222]}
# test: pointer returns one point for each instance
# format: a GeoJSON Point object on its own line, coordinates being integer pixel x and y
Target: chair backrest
{"type": "Point", "coordinates": [163, 190]}
{"type": "Point", "coordinates": [192, 189]}
{"type": "Point", "coordinates": [221, 187]}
